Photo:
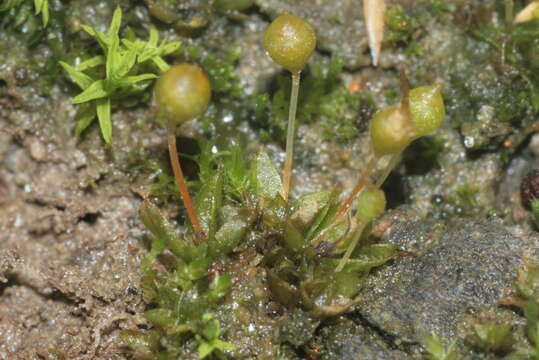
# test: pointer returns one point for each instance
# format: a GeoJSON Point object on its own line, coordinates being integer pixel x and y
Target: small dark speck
{"type": "Point", "coordinates": [132, 290]}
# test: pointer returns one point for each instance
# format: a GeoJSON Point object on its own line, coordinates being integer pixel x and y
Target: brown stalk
{"type": "Point", "coordinates": [180, 180]}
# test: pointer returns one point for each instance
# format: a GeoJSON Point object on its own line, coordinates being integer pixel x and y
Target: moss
{"type": "Point", "coordinates": [490, 335]}
{"type": "Point", "coordinates": [424, 154]}
{"type": "Point", "coordinates": [323, 100]}
{"type": "Point", "coordinates": [254, 251]}
{"type": "Point", "coordinates": [399, 25]}
{"type": "Point", "coordinates": [499, 101]}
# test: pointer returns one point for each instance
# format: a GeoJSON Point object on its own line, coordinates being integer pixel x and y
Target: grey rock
{"type": "Point", "coordinates": [468, 268]}
{"type": "Point", "coordinates": [349, 341]}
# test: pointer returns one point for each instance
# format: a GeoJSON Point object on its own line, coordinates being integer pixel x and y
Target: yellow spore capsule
{"type": "Point", "coordinates": [427, 108]}
{"type": "Point", "coordinates": [181, 94]}
{"type": "Point", "coordinates": [391, 130]}
{"type": "Point", "coordinates": [290, 41]}
{"type": "Point", "coordinates": [371, 203]}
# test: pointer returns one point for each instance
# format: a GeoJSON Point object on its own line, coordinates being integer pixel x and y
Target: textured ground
{"type": "Point", "coordinates": [71, 241]}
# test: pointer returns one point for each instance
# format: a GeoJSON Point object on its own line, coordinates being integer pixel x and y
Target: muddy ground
{"type": "Point", "coordinates": [70, 236]}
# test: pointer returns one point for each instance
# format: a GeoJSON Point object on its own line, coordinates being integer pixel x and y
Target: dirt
{"type": "Point", "coordinates": [71, 239]}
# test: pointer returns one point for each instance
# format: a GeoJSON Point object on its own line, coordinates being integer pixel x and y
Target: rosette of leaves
{"type": "Point", "coordinates": [122, 77]}
{"type": "Point", "coordinates": [244, 216]}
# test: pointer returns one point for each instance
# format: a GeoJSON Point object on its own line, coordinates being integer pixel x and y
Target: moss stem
{"type": "Point", "coordinates": [357, 235]}
{"type": "Point", "coordinates": [393, 161]}
{"type": "Point", "coordinates": [180, 180]}
{"type": "Point", "coordinates": [287, 171]}
{"type": "Point", "coordinates": [362, 181]}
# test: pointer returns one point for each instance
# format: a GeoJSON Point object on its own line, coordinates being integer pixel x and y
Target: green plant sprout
{"type": "Point", "coordinates": [531, 313]}
{"type": "Point", "coordinates": [490, 336]}
{"type": "Point", "coordinates": [41, 7]}
{"type": "Point", "coordinates": [181, 94]}
{"type": "Point", "coordinates": [122, 79]}
{"type": "Point", "coordinates": [437, 350]}
{"type": "Point", "coordinates": [371, 203]}
{"type": "Point", "coordinates": [290, 41]}
{"type": "Point", "coordinates": [209, 340]}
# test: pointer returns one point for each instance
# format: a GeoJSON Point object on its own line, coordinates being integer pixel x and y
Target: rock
{"type": "Point", "coordinates": [468, 268]}
{"type": "Point", "coordinates": [349, 341]}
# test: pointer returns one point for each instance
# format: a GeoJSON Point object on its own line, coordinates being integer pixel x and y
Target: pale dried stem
{"type": "Point", "coordinates": [527, 13]}
{"type": "Point", "coordinates": [373, 10]}
{"type": "Point", "coordinates": [287, 170]}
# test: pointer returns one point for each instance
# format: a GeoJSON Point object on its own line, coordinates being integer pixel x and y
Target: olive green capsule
{"type": "Point", "coordinates": [181, 94]}
{"type": "Point", "coordinates": [427, 108]}
{"type": "Point", "coordinates": [290, 41]}
{"type": "Point", "coordinates": [234, 5]}
{"type": "Point", "coordinates": [391, 130]}
{"type": "Point", "coordinates": [371, 203]}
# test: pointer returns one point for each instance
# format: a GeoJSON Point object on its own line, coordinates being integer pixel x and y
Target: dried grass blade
{"type": "Point", "coordinates": [527, 13]}
{"type": "Point", "coordinates": [374, 22]}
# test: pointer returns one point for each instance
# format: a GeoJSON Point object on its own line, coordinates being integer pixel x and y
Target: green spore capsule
{"type": "Point", "coordinates": [391, 130]}
{"type": "Point", "coordinates": [427, 108]}
{"type": "Point", "coordinates": [290, 41]}
{"type": "Point", "coordinates": [234, 5]}
{"type": "Point", "coordinates": [371, 203]}
{"type": "Point", "coordinates": [181, 94]}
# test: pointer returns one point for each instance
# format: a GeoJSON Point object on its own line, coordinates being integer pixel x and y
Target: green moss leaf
{"type": "Point", "coordinates": [42, 7]}
{"type": "Point", "coordinates": [197, 269]}
{"type": "Point", "coordinates": [229, 235]}
{"type": "Point", "coordinates": [493, 337]}
{"type": "Point", "coordinates": [436, 349]}
{"type": "Point", "coordinates": [142, 343]}
{"type": "Point", "coordinates": [282, 291]}
{"type": "Point", "coordinates": [92, 62]}
{"type": "Point", "coordinates": [104, 117]}
{"type": "Point", "coordinates": [265, 180]}
{"type": "Point", "coordinates": [115, 23]}
{"type": "Point", "coordinates": [86, 113]}
{"type": "Point", "coordinates": [235, 170]}
{"type": "Point", "coordinates": [309, 210]}
{"type": "Point", "coordinates": [131, 80]}
{"type": "Point", "coordinates": [208, 202]}
{"type": "Point", "coordinates": [220, 286]}
{"type": "Point", "coordinates": [166, 237]}
{"type": "Point", "coordinates": [161, 317]}
{"type": "Point", "coordinates": [95, 91]}
{"type": "Point", "coordinates": [368, 257]}
{"type": "Point", "coordinates": [293, 238]}
{"type": "Point", "coordinates": [81, 79]}
{"type": "Point", "coordinates": [161, 230]}
{"type": "Point", "coordinates": [531, 312]}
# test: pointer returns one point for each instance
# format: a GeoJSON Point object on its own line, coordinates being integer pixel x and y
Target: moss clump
{"type": "Point", "coordinates": [256, 250]}
{"type": "Point", "coordinates": [499, 99]}
{"type": "Point", "coordinates": [399, 25]}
